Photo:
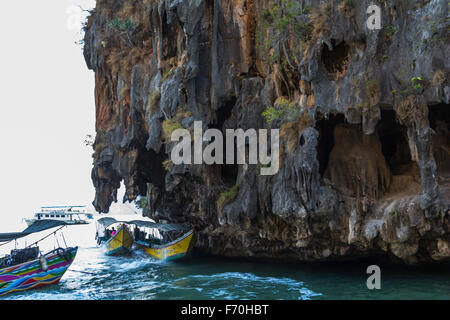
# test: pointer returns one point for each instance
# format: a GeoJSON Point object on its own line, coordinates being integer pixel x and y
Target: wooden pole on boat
{"type": "Point", "coordinates": [57, 242]}
{"type": "Point", "coordinates": [45, 237]}
{"type": "Point", "coordinates": [62, 235]}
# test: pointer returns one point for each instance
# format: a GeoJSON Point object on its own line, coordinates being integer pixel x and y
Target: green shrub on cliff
{"type": "Point", "coordinates": [417, 82]}
{"type": "Point", "coordinates": [278, 27]}
{"type": "Point", "coordinates": [141, 203]}
{"type": "Point", "coordinates": [169, 126]}
{"type": "Point", "coordinates": [391, 30]}
{"type": "Point", "coordinates": [416, 87]}
{"type": "Point", "coordinates": [167, 164]}
{"type": "Point", "coordinates": [271, 114]}
{"type": "Point", "coordinates": [125, 28]}
{"type": "Point", "coordinates": [283, 110]}
{"type": "Point", "coordinates": [153, 101]}
{"type": "Point", "coordinates": [125, 25]}
{"type": "Point", "coordinates": [227, 197]}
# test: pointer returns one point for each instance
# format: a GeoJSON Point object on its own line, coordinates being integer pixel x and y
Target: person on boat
{"type": "Point", "coordinates": [136, 234]}
{"type": "Point", "coordinates": [107, 234]}
{"type": "Point", "coordinates": [113, 232]}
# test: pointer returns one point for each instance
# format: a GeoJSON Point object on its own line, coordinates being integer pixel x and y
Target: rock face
{"type": "Point", "coordinates": [365, 161]}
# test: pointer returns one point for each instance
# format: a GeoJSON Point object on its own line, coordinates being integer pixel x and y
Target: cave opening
{"type": "Point", "coordinates": [394, 144]}
{"type": "Point", "coordinates": [229, 172]}
{"type": "Point", "coordinates": [439, 117]}
{"type": "Point", "coordinates": [439, 114]}
{"type": "Point", "coordinates": [326, 126]}
{"type": "Point", "coordinates": [151, 169]}
{"type": "Point", "coordinates": [170, 35]}
{"type": "Point", "coordinates": [223, 113]}
{"type": "Point", "coordinates": [336, 60]}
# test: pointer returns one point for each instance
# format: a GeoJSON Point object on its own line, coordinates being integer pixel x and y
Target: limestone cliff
{"type": "Point", "coordinates": [365, 164]}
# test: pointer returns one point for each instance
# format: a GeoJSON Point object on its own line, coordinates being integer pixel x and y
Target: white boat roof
{"type": "Point", "coordinates": [64, 210]}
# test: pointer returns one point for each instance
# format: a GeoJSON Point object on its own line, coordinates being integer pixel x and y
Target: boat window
{"type": "Point", "coordinates": [52, 216]}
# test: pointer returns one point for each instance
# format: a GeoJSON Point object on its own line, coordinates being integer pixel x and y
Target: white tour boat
{"type": "Point", "coordinates": [68, 214]}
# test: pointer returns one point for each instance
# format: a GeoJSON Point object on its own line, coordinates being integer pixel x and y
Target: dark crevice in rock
{"type": "Point", "coordinates": [170, 34]}
{"type": "Point", "coordinates": [223, 113]}
{"type": "Point", "coordinates": [439, 117]}
{"type": "Point", "coordinates": [336, 61]}
{"type": "Point", "coordinates": [393, 138]}
{"type": "Point", "coordinates": [284, 88]}
{"type": "Point", "coordinates": [229, 174]}
{"type": "Point", "coordinates": [326, 126]}
{"type": "Point", "coordinates": [439, 113]}
{"type": "Point", "coordinates": [151, 169]}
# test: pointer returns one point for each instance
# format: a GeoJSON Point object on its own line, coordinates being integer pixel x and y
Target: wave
{"type": "Point", "coordinates": [236, 285]}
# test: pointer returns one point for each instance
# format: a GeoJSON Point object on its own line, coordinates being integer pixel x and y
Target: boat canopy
{"type": "Point", "coordinates": [63, 207]}
{"type": "Point", "coordinates": [107, 221]}
{"type": "Point", "coordinates": [37, 226]}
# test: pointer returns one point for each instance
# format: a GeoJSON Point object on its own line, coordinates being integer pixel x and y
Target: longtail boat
{"type": "Point", "coordinates": [117, 242]}
{"type": "Point", "coordinates": [176, 249]}
{"type": "Point", "coordinates": [28, 268]}
{"type": "Point", "coordinates": [37, 273]}
{"type": "Point", "coordinates": [163, 241]}
{"type": "Point", "coordinates": [159, 241]}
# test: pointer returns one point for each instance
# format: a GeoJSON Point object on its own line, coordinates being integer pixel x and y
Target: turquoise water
{"type": "Point", "coordinates": [96, 276]}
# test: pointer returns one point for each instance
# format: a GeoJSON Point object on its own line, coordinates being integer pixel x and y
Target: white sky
{"type": "Point", "coordinates": [47, 109]}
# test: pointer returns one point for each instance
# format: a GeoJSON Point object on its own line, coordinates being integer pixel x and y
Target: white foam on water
{"type": "Point", "coordinates": [246, 283]}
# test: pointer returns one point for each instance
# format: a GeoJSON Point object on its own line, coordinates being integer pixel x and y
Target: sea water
{"type": "Point", "coordinates": [93, 275]}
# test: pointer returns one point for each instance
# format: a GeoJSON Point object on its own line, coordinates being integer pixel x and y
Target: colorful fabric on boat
{"type": "Point", "coordinates": [29, 275]}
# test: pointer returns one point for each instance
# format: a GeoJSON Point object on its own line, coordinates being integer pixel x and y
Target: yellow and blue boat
{"type": "Point", "coordinates": [159, 241]}
{"type": "Point", "coordinates": [117, 242]}
{"type": "Point", "coordinates": [176, 249]}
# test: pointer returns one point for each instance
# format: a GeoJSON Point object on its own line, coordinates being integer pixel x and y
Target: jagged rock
{"type": "Point", "coordinates": [364, 166]}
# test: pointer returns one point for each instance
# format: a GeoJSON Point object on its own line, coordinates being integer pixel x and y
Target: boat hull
{"type": "Point", "coordinates": [120, 244]}
{"type": "Point", "coordinates": [29, 275]}
{"type": "Point", "coordinates": [177, 249]}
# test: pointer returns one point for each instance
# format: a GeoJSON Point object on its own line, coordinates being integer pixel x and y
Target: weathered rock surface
{"type": "Point", "coordinates": [365, 168]}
